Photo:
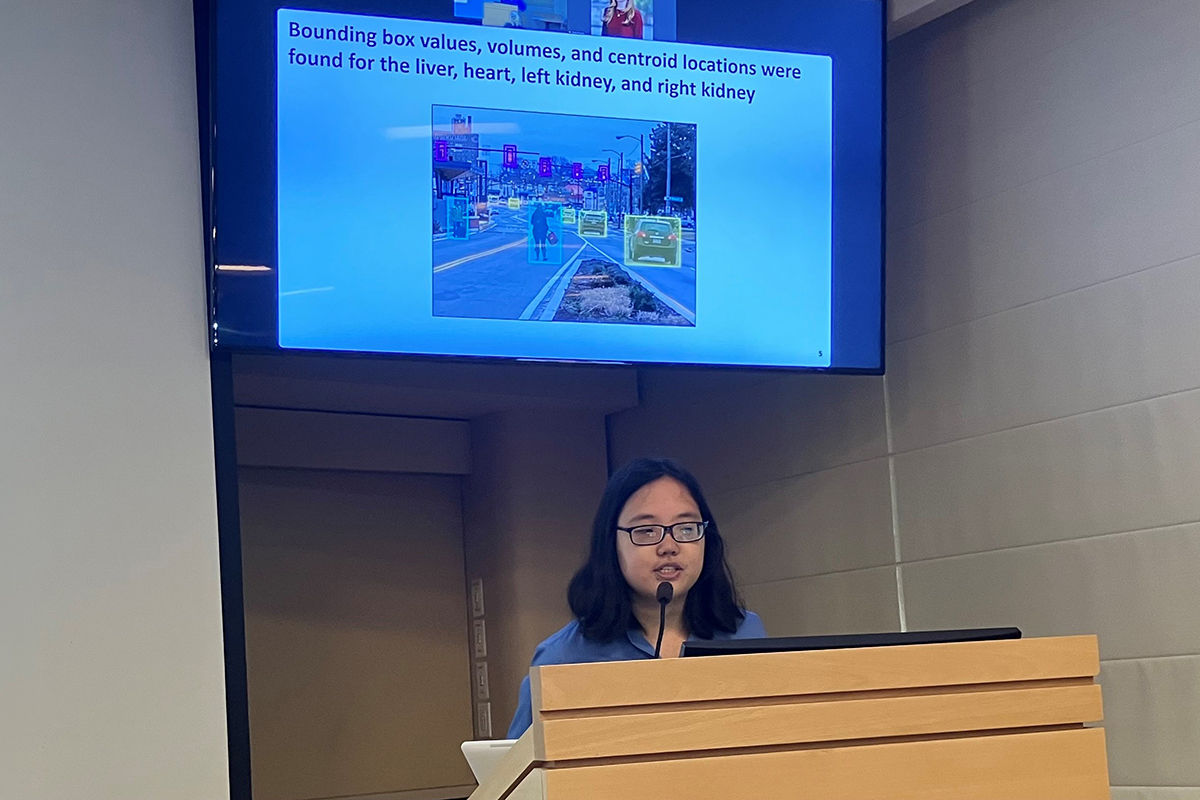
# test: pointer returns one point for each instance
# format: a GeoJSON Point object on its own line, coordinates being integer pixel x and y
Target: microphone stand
{"type": "Point", "coordinates": [665, 592]}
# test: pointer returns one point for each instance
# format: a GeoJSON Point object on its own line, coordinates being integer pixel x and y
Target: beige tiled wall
{"type": "Point", "coordinates": [796, 469]}
{"type": "Point", "coordinates": [1037, 459]}
{"type": "Point", "coordinates": [743, 430]}
{"type": "Point", "coordinates": [1154, 721]}
{"type": "Point", "coordinates": [1155, 793]}
{"type": "Point", "coordinates": [1044, 346]}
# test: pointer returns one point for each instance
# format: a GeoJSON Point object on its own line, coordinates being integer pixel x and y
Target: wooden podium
{"type": "Point", "coordinates": [975, 721]}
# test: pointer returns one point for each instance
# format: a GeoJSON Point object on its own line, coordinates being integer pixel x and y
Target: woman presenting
{"type": "Point", "coordinates": [622, 18]}
{"type": "Point", "coordinates": [653, 525]}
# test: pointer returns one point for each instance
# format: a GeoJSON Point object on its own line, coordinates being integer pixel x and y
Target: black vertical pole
{"type": "Point", "coordinates": [229, 536]}
{"type": "Point", "coordinates": [237, 714]}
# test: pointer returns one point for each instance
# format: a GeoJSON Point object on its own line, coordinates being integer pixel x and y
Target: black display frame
{"type": "Point", "coordinates": [260, 289]}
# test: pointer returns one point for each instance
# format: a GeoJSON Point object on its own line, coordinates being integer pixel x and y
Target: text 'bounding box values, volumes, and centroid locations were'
{"type": "Point", "coordinates": [503, 191]}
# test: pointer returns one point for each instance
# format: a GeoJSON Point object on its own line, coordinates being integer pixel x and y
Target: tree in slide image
{"type": "Point", "coordinates": [683, 169]}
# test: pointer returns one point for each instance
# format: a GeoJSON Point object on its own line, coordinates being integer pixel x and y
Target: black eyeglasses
{"type": "Point", "coordinates": [682, 532]}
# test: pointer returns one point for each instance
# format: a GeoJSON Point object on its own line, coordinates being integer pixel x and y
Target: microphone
{"type": "Point", "coordinates": [665, 592]}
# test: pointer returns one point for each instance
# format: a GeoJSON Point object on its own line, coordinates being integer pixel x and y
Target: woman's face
{"type": "Point", "coordinates": [665, 501]}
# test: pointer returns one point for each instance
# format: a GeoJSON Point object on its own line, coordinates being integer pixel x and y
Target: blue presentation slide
{"type": "Point", "coordinates": [454, 189]}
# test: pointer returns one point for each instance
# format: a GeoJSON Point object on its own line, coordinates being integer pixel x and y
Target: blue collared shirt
{"type": "Point", "coordinates": [569, 646]}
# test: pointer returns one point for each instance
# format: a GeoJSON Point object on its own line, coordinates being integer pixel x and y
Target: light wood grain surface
{"type": "Point", "coordinates": [801, 723]}
{"type": "Point", "coordinates": [636, 683]}
{"type": "Point", "coordinates": [1064, 765]}
{"type": "Point", "coordinates": [973, 721]}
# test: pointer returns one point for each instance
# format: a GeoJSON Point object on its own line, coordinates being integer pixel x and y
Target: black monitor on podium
{"type": "Point", "coordinates": [786, 644]}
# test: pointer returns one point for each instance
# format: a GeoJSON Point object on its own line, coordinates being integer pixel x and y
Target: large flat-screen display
{"type": "Point", "coordinates": [644, 181]}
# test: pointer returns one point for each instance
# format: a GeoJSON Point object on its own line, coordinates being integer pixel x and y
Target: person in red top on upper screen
{"type": "Point", "coordinates": [622, 18]}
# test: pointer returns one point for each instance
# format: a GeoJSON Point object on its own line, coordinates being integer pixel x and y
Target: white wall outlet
{"type": "Point", "coordinates": [483, 720]}
{"type": "Point", "coordinates": [481, 681]}
{"type": "Point", "coordinates": [477, 598]}
{"type": "Point", "coordinates": [480, 639]}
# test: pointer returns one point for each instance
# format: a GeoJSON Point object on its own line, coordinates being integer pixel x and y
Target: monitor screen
{"type": "Point", "coordinates": [635, 181]}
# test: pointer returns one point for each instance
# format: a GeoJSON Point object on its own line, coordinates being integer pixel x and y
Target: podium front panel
{"type": "Point", "coordinates": [809, 720]}
{"type": "Point", "coordinates": [1059, 765]}
{"type": "Point", "coordinates": [971, 721]}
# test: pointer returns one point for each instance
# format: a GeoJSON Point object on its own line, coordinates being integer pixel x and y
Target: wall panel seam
{"type": "Point", "coordinates": [347, 471]}
{"type": "Point", "coordinates": [1148, 658]}
{"type": "Point", "coordinates": [1135, 273]}
{"type": "Point", "coordinates": [707, 399]}
{"type": "Point", "coordinates": [795, 476]}
{"type": "Point", "coordinates": [1086, 538]}
{"type": "Point", "coordinates": [338, 412]}
{"type": "Point", "coordinates": [1023, 426]}
{"type": "Point", "coordinates": [1156, 786]}
{"type": "Point", "coordinates": [872, 568]}
{"type": "Point", "coordinates": [1066, 168]}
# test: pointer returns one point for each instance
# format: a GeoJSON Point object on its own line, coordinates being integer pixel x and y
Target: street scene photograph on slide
{"type": "Point", "coordinates": [559, 217]}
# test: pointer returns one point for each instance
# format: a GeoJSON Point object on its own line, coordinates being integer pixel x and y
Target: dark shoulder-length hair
{"type": "Point", "coordinates": [599, 595]}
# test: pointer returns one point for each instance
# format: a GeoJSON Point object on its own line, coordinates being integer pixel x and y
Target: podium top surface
{"type": "Point", "coordinates": [818, 672]}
